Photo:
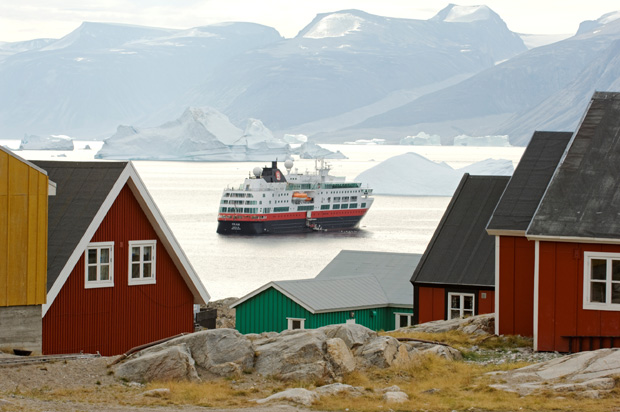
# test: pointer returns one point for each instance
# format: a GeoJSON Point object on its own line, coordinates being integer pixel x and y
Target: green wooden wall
{"type": "Point", "coordinates": [268, 312]}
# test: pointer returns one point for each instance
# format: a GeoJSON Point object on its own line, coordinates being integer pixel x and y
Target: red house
{"type": "Point", "coordinates": [575, 232]}
{"type": "Point", "coordinates": [455, 277]}
{"type": "Point", "coordinates": [117, 277]}
{"type": "Point", "coordinates": [514, 281]}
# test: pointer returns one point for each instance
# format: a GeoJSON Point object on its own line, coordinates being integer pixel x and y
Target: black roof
{"type": "Point", "coordinates": [81, 190]}
{"type": "Point", "coordinates": [583, 197]}
{"type": "Point", "coordinates": [460, 251]}
{"type": "Point", "coordinates": [527, 185]}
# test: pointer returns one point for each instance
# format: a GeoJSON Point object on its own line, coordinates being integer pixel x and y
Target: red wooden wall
{"type": "Point", "coordinates": [432, 303]}
{"type": "Point", "coordinates": [516, 286]}
{"type": "Point", "coordinates": [486, 304]}
{"type": "Point", "coordinates": [560, 306]}
{"type": "Point", "coordinates": [112, 320]}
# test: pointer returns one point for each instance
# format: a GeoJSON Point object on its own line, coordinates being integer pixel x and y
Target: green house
{"type": "Point", "coordinates": [367, 288]}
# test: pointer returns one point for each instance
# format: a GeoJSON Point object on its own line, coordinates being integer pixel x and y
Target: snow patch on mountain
{"type": "Point", "coordinates": [411, 174]}
{"type": "Point", "coordinates": [201, 134]}
{"type": "Point", "coordinates": [464, 14]}
{"type": "Point", "coordinates": [51, 142]}
{"type": "Point", "coordinates": [335, 25]}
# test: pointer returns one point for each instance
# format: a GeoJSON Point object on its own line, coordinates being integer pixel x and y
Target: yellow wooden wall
{"type": "Point", "coordinates": [23, 233]}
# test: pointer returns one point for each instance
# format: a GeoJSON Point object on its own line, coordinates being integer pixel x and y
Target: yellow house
{"type": "Point", "coordinates": [24, 189]}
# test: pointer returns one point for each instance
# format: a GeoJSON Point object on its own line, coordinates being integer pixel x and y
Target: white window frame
{"type": "Point", "coordinates": [142, 280]}
{"type": "Point", "coordinates": [291, 320]}
{"type": "Point", "coordinates": [461, 309]}
{"type": "Point", "coordinates": [397, 316]}
{"type": "Point", "coordinates": [587, 281]}
{"type": "Point", "coordinates": [92, 284]}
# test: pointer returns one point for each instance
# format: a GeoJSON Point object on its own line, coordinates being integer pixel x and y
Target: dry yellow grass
{"type": "Point", "coordinates": [434, 384]}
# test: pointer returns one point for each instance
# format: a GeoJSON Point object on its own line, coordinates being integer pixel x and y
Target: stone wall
{"type": "Point", "coordinates": [21, 328]}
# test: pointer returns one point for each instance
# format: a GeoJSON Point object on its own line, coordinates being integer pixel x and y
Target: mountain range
{"type": "Point", "coordinates": [347, 75]}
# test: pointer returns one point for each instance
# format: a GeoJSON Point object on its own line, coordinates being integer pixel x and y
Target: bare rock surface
{"type": "Point", "coordinates": [340, 356]}
{"type": "Point", "coordinates": [226, 316]}
{"type": "Point", "coordinates": [395, 397]}
{"type": "Point", "coordinates": [353, 335]}
{"type": "Point", "coordinates": [219, 352]}
{"type": "Point", "coordinates": [579, 372]}
{"type": "Point", "coordinates": [297, 395]}
{"type": "Point", "coordinates": [171, 363]}
{"type": "Point", "coordinates": [294, 355]}
{"type": "Point", "coordinates": [474, 325]}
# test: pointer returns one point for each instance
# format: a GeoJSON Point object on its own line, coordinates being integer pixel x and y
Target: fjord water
{"type": "Point", "coordinates": [188, 196]}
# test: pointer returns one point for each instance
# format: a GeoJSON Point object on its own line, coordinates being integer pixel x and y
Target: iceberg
{"type": "Point", "coordinates": [295, 138]}
{"type": "Point", "coordinates": [498, 140]}
{"type": "Point", "coordinates": [411, 174]}
{"type": "Point", "coordinates": [200, 134]}
{"type": "Point", "coordinates": [311, 150]}
{"type": "Point", "coordinates": [52, 142]}
{"type": "Point", "coordinates": [421, 139]}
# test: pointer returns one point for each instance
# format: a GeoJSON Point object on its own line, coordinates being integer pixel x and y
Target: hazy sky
{"type": "Point", "coordinates": [30, 19]}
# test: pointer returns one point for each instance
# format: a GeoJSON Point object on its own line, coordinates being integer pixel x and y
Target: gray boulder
{"type": "Point", "coordinates": [298, 395]}
{"type": "Point", "coordinates": [381, 352]}
{"type": "Point", "coordinates": [294, 355]}
{"type": "Point", "coordinates": [395, 397]}
{"type": "Point", "coordinates": [340, 356]}
{"type": "Point", "coordinates": [219, 352]}
{"type": "Point", "coordinates": [171, 363]}
{"type": "Point", "coordinates": [352, 334]}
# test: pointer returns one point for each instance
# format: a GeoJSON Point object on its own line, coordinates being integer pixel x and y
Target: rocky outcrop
{"type": "Point", "coordinates": [217, 352]}
{"type": "Point", "coordinates": [294, 355]}
{"type": "Point", "coordinates": [588, 374]}
{"type": "Point", "coordinates": [474, 325]}
{"type": "Point", "coordinates": [171, 363]}
{"type": "Point", "coordinates": [226, 315]}
{"type": "Point", "coordinates": [323, 354]}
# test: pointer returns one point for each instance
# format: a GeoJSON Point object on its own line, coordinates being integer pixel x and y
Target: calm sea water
{"type": "Point", "coordinates": [188, 195]}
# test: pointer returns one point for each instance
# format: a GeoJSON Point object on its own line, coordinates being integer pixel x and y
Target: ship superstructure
{"type": "Point", "coordinates": [270, 202]}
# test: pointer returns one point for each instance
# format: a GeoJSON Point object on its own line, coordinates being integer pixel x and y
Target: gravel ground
{"type": "Point", "coordinates": [17, 381]}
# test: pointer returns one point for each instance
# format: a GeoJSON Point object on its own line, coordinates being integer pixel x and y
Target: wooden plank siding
{"type": "Point", "coordinates": [23, 233]}
{"type": "Point", "coordinates": [560, 303]}
{"type": "Point", "coordinates": [111, 320]}
{"type": "Point", "coordinates": [268, 312]}
{"type": "Point", "coordinates": [432, 302]}
{"type": "Point", "coordinates": [516, 286]}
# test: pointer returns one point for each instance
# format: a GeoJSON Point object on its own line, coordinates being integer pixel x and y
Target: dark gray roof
{"type": "Point", "coordinates": [81, 189]}
{"type": "Point", "coordinates": [460, 251]}
{"type": "Point", "coordinates": [527, 185]}
{"type": "Point", "coordinates": [583, 197]}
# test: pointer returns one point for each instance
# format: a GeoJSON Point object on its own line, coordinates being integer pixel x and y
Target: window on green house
{"type": "Point", "coordinates": [296, 323]}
